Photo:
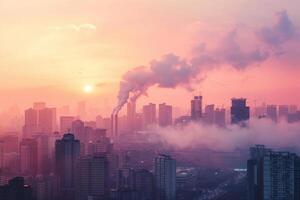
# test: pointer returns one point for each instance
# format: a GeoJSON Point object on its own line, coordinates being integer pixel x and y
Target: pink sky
{"type": "Point", "coordinates": [51, 48]}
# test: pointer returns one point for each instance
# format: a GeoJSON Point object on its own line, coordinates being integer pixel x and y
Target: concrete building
{"type": "Point", "coordinates": [165, 115]}
{"type": "Point", "coordinates": [165, 178]}
{"type": "Point", "coordinates": [239, 111]}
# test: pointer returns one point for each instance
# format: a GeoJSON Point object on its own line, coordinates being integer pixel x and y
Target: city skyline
{"type": "Point", "coordinates": [150, 100]}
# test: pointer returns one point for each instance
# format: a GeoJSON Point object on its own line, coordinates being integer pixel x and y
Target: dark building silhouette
{"type": "Point", "coordinates": [239, 111]}
{"type": "Point", "coordinates": [16, 190]}
{"type": "Point", "coordinates": [92, 177]}
{"type": "Point", "coordinates": [209, 115]}
{"type": "Point", "coordinates": [196, 108]}
{"type": "Point", "coordinates": [271, 112]}
{"type": "Point", "coordinates": [165, 115]}
{"type": "Point", "coordinates": [67, 151]}
{"type": "Point", "coordinates": [272, 175]}
{"type": "Point", "coordinates": [220, 117]}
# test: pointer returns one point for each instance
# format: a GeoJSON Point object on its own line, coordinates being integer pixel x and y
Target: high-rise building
{"type": "Point", "coordinates": [66, 124]}
{"type": "Point", "coordinates": [293, 108]}
{"type": "Point", "coordinates": [144, 184]}
{"type": "Point", "coordinates": [271, 112]}
{"type": "Point", "coordinates": [209, 114]}
{"type": "Point", "coordinates": [283, 111]}
{"type": "Point", "coordinates": [31, 122]}
{"type": "Point", "coordinates": [165, 177]}
{"type": "Point", "coordinates": [131, 115]}
{"type": "Point", "coordinates": [16, 189]}
{"type": "Point", "coordinates": [47, 120]}
{"type": "Point", "coordinates": [272, 175]}
{"type": "Point", "coordinates": [239, 111]}
{"type": "Point", "coordinates": [78, 129]}
{"type": "Point", "coordinates": [28, 157]}
{"type": "Point", "coordinates": [43, 167]}
{"type": "Point", "coordinates": [39, 119]}
{"type": "Point", "coordinates": [67, 151]}
{"type": "Point", "coordinates": [220, 119]}
{"type": "Point", "coordinates": [165, 115]}
{"type": "Point", "coordinates": [92, 177]}
{"type": "Point", "coordinates": [149, 114]}
{"type": "Point", "coordinates": [196, 108]}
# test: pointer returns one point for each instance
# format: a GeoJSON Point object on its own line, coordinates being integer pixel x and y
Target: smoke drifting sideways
{"type": "Point", "coordinates": [172, 71]}
{"type": "Point", "coordinates": [282, 135]}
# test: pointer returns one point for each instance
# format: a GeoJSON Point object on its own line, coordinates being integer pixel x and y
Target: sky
{"type": "Point", "coordinates": [51, 49]}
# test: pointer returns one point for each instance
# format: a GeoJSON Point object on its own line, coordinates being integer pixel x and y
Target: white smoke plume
{"type": "Point", "coordinates": [172, 71]}
{"type": "Point", "coordinates": [259, 131]}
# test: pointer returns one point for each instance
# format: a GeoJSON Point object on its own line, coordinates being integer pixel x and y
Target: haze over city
{"type": "Point", "coordinates": [149, 100]}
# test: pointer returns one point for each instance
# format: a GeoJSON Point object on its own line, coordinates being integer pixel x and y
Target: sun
{"type": "Point", "coordinates": [88, 88]}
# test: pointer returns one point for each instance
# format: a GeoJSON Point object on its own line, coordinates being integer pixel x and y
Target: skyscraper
{"type": "Point", "coordinates": [47, 120]}
{"type": "Point", "coordinates": [92, 177]}
{"type": "Point", "coordinates": [272, 112]}
{"type": "Point", "coordinates": [165, 115]}
{"type": "Point", "coordinates": [196, 108]}
{"type": "Point", "coordinates": [149, 114]}
{"type": "Point", "coordinates": [28, 157]}
{"type": "Point", "coordinates": [283, 111]}
{"type": "Point", "coordinates": [43, 158]}
{"type": "Point", "coordinates": [220, 117]}
{"type": "Point", "coordinates": [39, 119]}
{"type": "Point", "coordinates": [131, 115]}
{"type": "Point", "coordinates": [165, 178]}
{"type": "Point", "coordinates": [239, 111]}
{"type": "Point", "coordinates": [31, 122]}
{"type": "Point", "coordinates": [209, 114]}
{"type": "Point", "coordinates": [67, 151]}
{"type": "Point", "coordinates": [272, 175]}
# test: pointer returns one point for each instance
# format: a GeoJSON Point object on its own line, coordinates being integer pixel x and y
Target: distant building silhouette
{"type": "Point", "coordinates": [283, 111]}
{"type": "Point", "coordinates": [165, 115]}
{"type": "Point", "coordinates": [149, 114]}
{"type": "Point", "coordinates": [220, 117]}
{"type": "Point", "coordinates": [239, 111]}
{"type": "Point", "coordinates": [28, 157]}
{"type": "Point", "coordinates": [209, 114]}
{"type": "Point", "coordinates": [131, 116]}
{"type": "Point", "coordinates": [271, 112]}
{"type": "Point", "coordinates": [196, 108]}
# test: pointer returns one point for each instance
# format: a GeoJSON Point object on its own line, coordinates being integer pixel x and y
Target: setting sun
{"type": "Point", "coordinates": [88, 88]}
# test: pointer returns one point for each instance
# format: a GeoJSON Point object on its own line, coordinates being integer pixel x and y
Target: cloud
{"type": "Point", "coordinates": [74, 27]}
{"type": "Point", "coordinates": [280, 32]}
{"type": "Point", "coordinates": [259, 131]}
